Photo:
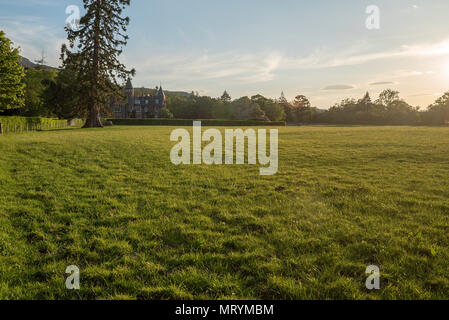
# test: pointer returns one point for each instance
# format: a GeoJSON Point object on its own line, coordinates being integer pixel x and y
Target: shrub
{"type": "Point", "coordinates": [185, 122]}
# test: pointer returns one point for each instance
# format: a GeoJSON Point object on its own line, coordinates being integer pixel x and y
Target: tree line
{"type": "Point", "coordinates": [388, 109]}
{"type": "Point", "coordinates": [245, 108]}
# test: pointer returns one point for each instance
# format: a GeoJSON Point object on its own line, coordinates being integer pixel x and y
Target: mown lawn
{"type": "Point", "coordinates": [111, 202]}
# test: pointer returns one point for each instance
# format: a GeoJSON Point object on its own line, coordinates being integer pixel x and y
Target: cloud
{"type": "Point", "coordinates": [422, 95]}
{"type": "Point", "coordinates": [421, 73]}
{"type": "Point", "coordinates": [328, 58]}
{"type": "Point", "coordinates": [247, 67]}
{"type": "Point", "coordinates": [32, 35]}
{"type": "Point", "coordinates": [381, 83]}
{"type": "Point", "coordinates": [238, 66]}
{"type": "Point", "coordinates": [28, 3]}
{"type": "Point", "coordinates": [339, 87]}
{"type": "Point", "coordinates": [265, 72]}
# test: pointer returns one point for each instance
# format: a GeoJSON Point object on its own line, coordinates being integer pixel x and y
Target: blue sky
{"type": "Point", "coordinates": [318, 48]}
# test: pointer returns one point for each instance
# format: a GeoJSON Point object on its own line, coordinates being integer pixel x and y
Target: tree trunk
{"type": "Point", "coordinates": [93, 119]}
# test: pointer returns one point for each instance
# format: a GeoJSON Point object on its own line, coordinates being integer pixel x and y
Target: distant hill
{"type": "Point", "coordinates": [144, 91]}
{"type": "Point", "coordinates": [180, 93]}
{"type": "Point", "coordinates": [27, 64]}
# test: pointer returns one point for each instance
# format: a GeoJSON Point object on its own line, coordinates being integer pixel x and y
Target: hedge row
{"type": "Point", "coordinates": [22, 124]}
{"type": "Point", "coordinates": [185, 122]}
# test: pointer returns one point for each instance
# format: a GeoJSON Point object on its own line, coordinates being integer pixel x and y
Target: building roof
{"type": "Point", "coordinates": [129, 85]}
{"type": "Point", "coordinates": [161, 94]}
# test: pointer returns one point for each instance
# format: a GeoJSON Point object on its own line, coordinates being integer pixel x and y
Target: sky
{"type": "Point", "coordinates": [321, 49]}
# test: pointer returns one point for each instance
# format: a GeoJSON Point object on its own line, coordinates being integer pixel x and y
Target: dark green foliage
{"type": "Point", "coordinates": [389, 109]}
{"type": "Point", "coordinates": [222, 110]}
{"type": "Point", "coordinates": [438, 113]}
{"type": "Point", "coordinates": [189, 122]}
{"type": "Point", "coordinates": [271, 108]}
{"type": "Point", "coordinates": [298, 111]}
{"type": "Point", "coordinates": [246, 109]}
{"type": "Point", "coordinates": [203, 107]}
{"type": "Point", "coordinates": [36, 83]}
{"type": "Point", "coordinates": [63, 95]}
{"type": "Point", "coordinates": [226, 97]}
{"type": "Point", "coordinates": [165, 113]}
{"type": "Point", "coordinates": [193, 107]}
{"type": "Point", "coordinates": [387, 97]}
{"type": "Point", "coordinates": [98, 43]}
{"type": "Point", "coordinates": [11, 76]}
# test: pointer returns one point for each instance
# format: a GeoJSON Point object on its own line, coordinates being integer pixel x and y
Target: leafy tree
{"type": "Point", "coordinates": [363, 108]}
{"type": "Point", "coordinates": [226, 97]}
{"type": "Point", "coordinates": [99, 41]}
{"type": "Point", "coordinates": [272, 109]}
{"type": "Point", "coordinates": [282, 98]}
{"type": "Point", "coordinates": [63, 94]}
{"type": "Point", "coordinates": [387, 97]}
{"type": "Point", "coordinates": [203, 107]}
{"type": "Point", "coordinates": [197, 107]}
{"type": "Point", "coordinates": [289, 109]}
{"type": "Point", "coordinates": [389, 109]}
{"type": "Point", "coordinates": [11, 76]}
{"type": "Point", "coordinates": [366, 100]}
{"type": "Point", "coordinates": [400, 112]}
{"type": "Point", "coordinates": [245, 109]}
{"type": "Point", "coordinates": [438, 112]}
{"type": "Point", "coordinates": [221, 110]}
{"type": "Point", "coordinates": [177, 105]}
{"type": "Point", "coordinates": [301, 111]}
{"type": "Point", "coordinates": [301, 102]}
{"type": "Point", "coordinates": [165, 113]}
{"type": "Point", "coordinates": [36, 82]}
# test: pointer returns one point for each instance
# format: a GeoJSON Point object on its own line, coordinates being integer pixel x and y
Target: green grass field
{"type": "Point", "coordinates": [110, 201]}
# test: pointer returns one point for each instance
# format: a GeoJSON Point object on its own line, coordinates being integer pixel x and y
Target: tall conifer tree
{"type": "Point", "coordinates": [94, 51]}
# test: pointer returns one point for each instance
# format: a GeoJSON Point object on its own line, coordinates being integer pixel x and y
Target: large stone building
{"type": "Point", "coordinates": [147, 106]}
